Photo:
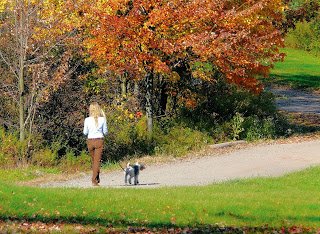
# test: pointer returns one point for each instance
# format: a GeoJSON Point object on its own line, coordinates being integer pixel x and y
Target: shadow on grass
{"type": "Point", "coordinates": [296, 81]}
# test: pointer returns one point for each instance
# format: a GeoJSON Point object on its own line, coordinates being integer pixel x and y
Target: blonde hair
{"type": "Point", "coordinates": [95, 111]}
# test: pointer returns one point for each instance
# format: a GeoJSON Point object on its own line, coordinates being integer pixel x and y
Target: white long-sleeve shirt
{"type": "Point", "coordinates": [92, 131]}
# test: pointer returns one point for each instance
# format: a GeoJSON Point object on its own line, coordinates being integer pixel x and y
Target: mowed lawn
{"type": "Point", "coordinates": [300, 69]}
{"type": "Point", "coordinates": [267, 203]}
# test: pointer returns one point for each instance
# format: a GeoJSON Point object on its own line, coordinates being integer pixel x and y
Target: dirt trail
{"type": "Point", "coordinates": [263, 160]}
{"type": "Point", "coordinates": [297, 101]}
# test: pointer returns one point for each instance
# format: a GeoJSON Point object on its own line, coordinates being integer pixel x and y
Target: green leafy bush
{"type": "Point", "coordinates": [179, 140]}
{"type": "Point", "coordinates": [255, 128]}
{"type": "Point", "coordinates": [72, 161]}
{"type": "Point", "coordinates": [236, 124]}
{"type": "Point", "coordinates": [128, 135]}
{"type": "Point", "coordinates": [231, 113]}
{"type": "Point", "coordinates": [306, 36]}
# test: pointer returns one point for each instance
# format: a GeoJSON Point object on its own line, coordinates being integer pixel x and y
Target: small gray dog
{"type": "Point", "coordinates": [133, 171]}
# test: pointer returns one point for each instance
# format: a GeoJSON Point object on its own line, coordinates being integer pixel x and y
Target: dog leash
{"type": "Point", "coordinates": [121, 166]}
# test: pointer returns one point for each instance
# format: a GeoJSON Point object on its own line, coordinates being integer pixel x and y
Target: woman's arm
{"type": "Point", "coordinates": [86, 128]}
{"type": "Point", "coordinates": [105, 127]}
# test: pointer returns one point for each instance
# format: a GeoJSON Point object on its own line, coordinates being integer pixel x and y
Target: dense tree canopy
{"type": "Point", "coordinates": [149, 40]}
{"type": "Point", "coordinates": [240, 38]}
{"type": "Point", "coordinates": [157, 41]}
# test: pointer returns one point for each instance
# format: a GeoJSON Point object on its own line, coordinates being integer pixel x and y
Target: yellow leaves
{"type": "Point", "coordinates": [3, 5]}
{"type": "Point", "coordinates": [174, 77]}
{"type": "Point", "coordinates": [190, 103]}
{"type": "Point", "coordinates": [284, 8]}
{"type": "Point", "coordinates": [201, 75]}
{"type": "Point", "coordinates": [202, 70]}
{"type": "Point", "coordinates": [48, 19]}
{"type": "Point", "coordinates": [108, 6]}
{"type": "Point", "coordinates": [177, 27]}
{"type": "Point", "coordinates": [166, 209]}
{"type": "Point", "coordinates": [161, 67]}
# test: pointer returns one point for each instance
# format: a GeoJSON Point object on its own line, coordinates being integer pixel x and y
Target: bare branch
{"type": "Point", "coordinates": [8, 64]}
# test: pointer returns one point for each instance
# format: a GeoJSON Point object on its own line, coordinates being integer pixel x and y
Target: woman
{"type": "Point", "coordinates": [95, 127]}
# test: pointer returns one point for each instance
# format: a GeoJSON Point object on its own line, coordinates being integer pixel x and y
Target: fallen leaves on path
{"type": "Point", "coordinates": [305, 120]}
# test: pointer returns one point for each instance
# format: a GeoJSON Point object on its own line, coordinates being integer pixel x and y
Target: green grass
{"type": "Point", "coordinates": [300, 69]}
{"type": "Point", "coordinates": [291, 200]}
{"type": "Point", "coordinates": [25, 174]}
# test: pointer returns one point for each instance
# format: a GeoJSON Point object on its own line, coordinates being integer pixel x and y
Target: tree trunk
{"type": "Point", "coordinates": [163, 98]}
{"type": "Point", "coordinates": [21, 80]}
{"type": "Point", "coordinates": [149, 104]}
{"type": "Point", "coordinates": [123, 79]}
{"type": "Point", "coordinates": [136, 88]}
{"type": "Point", "coordinates": [21, 105]}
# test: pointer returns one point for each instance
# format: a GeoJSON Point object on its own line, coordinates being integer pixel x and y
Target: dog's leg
{"type": "Point", "coordinates": [125, 178]}
{"type": "Point", "coordinates": [136, 168]}
{"type": "Point", "coordinates": [136, 181]}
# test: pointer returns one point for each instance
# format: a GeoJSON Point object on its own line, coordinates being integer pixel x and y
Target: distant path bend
{"type": "Point", "coordinates": [297, 101]}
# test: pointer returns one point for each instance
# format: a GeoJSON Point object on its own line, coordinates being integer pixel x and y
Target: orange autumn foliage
{"type": "Point", "coordinates": [239, 37]}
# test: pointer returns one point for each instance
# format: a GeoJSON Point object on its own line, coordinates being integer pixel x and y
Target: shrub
{"type": "Point", "coordinates": [34, 152]}
{"type": "Point", "coordinates": [230, 113]}
{"type": "Point", "coordinates": [179, 140]}
{"type": "Point", "coordinates": [236, 124]}
{"type": "Point", "coordinates": [13, 153]}
{"type": "Point", "coordinates": [45, 157]}
{"type": "Point", "coordinates": [255, 128]}
{"type": "Point", "coordinates": [127, 131]}
{"type": "Point", "coordinates": [73, 162]}
{"type": "Point", "coordinates": [306, 36]}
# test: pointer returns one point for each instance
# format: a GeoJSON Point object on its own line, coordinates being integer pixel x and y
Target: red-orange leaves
{"type": "Point", "coordinates": [238, 37]}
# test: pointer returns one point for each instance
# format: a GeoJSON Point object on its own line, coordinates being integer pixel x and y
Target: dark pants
{"type": "Point", "coordinates": [95, 147]}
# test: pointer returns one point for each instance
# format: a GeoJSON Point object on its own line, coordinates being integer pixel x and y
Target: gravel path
{"type": "Point", "coordinates": [297, 101]}
{"type": "Point", "coordinates": [265, 160]}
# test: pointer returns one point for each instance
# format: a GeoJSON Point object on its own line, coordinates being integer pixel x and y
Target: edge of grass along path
{"type": "Point", "coordinates": [299, 69]}
{"type": "Point", "coordinates": [287, 201]}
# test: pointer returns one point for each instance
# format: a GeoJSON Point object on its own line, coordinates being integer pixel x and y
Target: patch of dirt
{"type": "Point", "coordinates": [44, 178]}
